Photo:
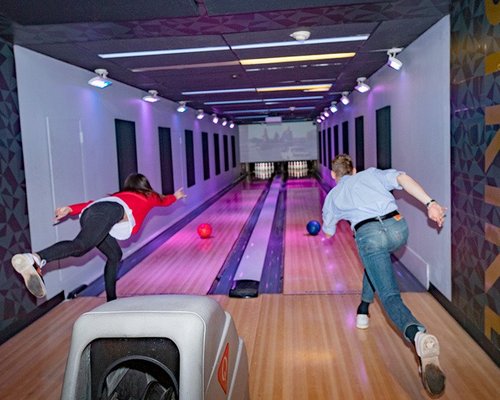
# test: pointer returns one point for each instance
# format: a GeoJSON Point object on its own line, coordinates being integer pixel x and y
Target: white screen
{"type": "Point", "coordinates": [278, 142]}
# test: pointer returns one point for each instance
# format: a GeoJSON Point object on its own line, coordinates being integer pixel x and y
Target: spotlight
{"type": "Point", "coordinates": [224, 121]}
{"type": "Point", "coordinates": [362, 87]}
{"type": "Point", "coordinates": [100, 81]}
{"type": "Point", "coordinates": [318, 120]}
{"type": "Point", "coordinates": [322, 117]}
{"type": "Point", "coordinates": [200, 114]}
{"type": "Point", "coordinates": [333, 107]}
{"type": "Point", "coordinates": [392, 61]}
{"type": "Point", "coordinates": [152, 97]}
{"type": "Point", "coordinates": [344, 99]}
{"type": "Point", "coordinates": [325, 112]}
{"type": "Point", "coordinates": [182, 106]}
{"type": "Point", "coordinates": [215, 118]}
{"type": "Point", "coordinates": [231, 124]}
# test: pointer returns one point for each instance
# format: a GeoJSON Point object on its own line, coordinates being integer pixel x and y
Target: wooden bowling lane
{"type": "Point", "coordinates": [299, 347]}
{"type": "Point", "coordinates": [307, 347]}
{"type": "Point", "coordinates": [314, 264]}
{"type": "Point", "coordinates": [186, 263]}
{"type": "Point", "coordinates": [33, 361]}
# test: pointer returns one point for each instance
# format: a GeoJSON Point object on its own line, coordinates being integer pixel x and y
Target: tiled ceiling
{"type": "Point", "coordinates": [78, 31]}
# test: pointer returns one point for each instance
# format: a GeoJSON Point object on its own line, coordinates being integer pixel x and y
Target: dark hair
{"type": "Point", "coordinates": [342, 165]}
{"type": "Point", "coordinates": [138, 183]}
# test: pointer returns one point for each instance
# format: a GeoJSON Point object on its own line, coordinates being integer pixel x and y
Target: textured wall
{"type": "Point", "coordinates": [475, 167]}
{"type": "Point", "coordinates": [15, 301]}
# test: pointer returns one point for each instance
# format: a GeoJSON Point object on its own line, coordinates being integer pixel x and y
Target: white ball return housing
{"type": "Point", "coordinates": [156, 347]}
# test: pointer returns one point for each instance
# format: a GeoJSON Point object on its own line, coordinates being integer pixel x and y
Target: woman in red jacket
{"type": "Point", "coordinates": [102, 222]}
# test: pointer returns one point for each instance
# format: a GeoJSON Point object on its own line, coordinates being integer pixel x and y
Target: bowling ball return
{"type": "Point", "coordinates": [156, 348]}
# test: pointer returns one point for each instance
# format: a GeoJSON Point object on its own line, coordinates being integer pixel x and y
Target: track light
{"type": "Point", "coordinates": [200, 114]}
{"type": "Point", "coordinates": [333, 107]}
{"type": "Point", "coordinates": [362, 87]}
{"type": "Point", "coordinates": [182, 106]}
{"type": "Point", "coordinates": [231, 124]}
{"type": "Point", "coordinates": [322, 117]}
{"type": "Point", "coordinates": [318, 120]}
{"type": "Point", "coordinates": [100, 81]}
{"type": "Point", "coordinates": [392, 61]}
{"type": "Point", "coordinates": [151, 97]}
{"type": "Point", "coordinates": [215, 118]}
{"type": "Point", "coordinates": [325, 112]}
{"type": "Point", "coordinates": [224, 121]}
{"type": "Point", "coordinates": [344, 99]}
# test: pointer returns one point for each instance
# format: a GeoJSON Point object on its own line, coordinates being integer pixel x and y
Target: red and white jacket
{"type": "Point", "coordinates": [139, 204]}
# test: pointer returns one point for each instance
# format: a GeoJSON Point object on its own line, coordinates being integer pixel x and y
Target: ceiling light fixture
{"type": "Point", "coordinates": [340, 39]}
{"type": "Point", "coordinates": [200, 114]}
{"type": "Point", "coordinates": [268, 110]}
{"type": "Point", "coordinates": [152, 96]}
{"type": "Point", "coordinates": [215, 118]}
{"type": "Point", "coordinates": [392, 61]}
{"type": "Point", "coordinates": [278, 99]}
{"type": "Point", "coordinates": [333, 107]}
{"type": "Point", "coordinates": [101, 81]}
{"type": "Point", "coordinates": [318, 120]}
{"type": "Point", "coordinates": [318, 87]}
{"type": "Point", "coordinates": [219, 91]}
{"type": "Point", "coordinates": [295, 87]}
{"type": "Point", "coordinates": [344, 99]}
{"type": "Point", "coordinates": [224, 121]}
{"type": "Point", "coordinates": [362, 87]}
{"type": "Point", "coordinates": [310, 57]}
{"type": "Point", "coordinates": [231, 124]}
{"type": "Point", "coordinates": [325, 112]}
{"type": "Point", "coordinates": [301, 35]}
{"type": "Point", "coordinates": [182, 106]}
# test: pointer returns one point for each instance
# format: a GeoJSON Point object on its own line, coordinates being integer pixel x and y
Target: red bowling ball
{"type": "Point", "coordinates": [204, 230]}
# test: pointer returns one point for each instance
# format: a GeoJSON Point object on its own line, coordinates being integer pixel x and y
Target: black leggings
{"type": "Point", "coordinates": [96, 222]}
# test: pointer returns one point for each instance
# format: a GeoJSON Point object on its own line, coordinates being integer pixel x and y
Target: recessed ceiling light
{"type": "Point", "coordinates": [146, 53]}
{"type": "Point", "coordinates": [296, 87]}
{"type": "Point", "coordinates": [311, 57]}
{"type": "Point", "coordinates": [278, 99]}
{"type": "Point", "coordinates": [219, 91]}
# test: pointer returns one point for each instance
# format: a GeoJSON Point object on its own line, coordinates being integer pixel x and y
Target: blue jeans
{"type": "Point", "coordinates": [376, 241]}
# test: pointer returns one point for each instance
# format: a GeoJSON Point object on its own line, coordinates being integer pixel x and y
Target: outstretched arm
{"type": "Point", "coordinates": [435, 211]}
{"type": "Point", "coordinates": [61, 213]}
{"type": "Point", "coordinates": [179, 194]}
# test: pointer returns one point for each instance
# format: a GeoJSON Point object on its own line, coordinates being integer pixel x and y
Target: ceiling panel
{"type": "Point", "coordinates": [77, 31]}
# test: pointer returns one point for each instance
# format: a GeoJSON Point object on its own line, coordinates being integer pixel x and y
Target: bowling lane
{"type": "Point", "coordinates": [314, 264]}
{"type": "Point", "coordinates": [186, 264]}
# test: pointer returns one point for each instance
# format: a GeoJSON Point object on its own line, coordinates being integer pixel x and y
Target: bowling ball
{"type": "Point", "coordinates": [313, 227]}
{"type": "Point", "coordinates": [204, 230]}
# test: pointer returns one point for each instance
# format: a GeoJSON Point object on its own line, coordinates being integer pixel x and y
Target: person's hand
{"type": "Point", "coordinates": [60, 213]}
{"type": "Point", "coordinates": [437, 213]}
{"type": "Point", "coordinates": [179, 194]}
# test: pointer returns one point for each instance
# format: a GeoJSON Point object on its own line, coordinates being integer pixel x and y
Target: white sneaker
{"type": "Point", "coordinates": [362, 321]}
{"type": "Point", "coordinates": [427, 347]}
{"type": "Point", "coordinates": [29, 266]}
